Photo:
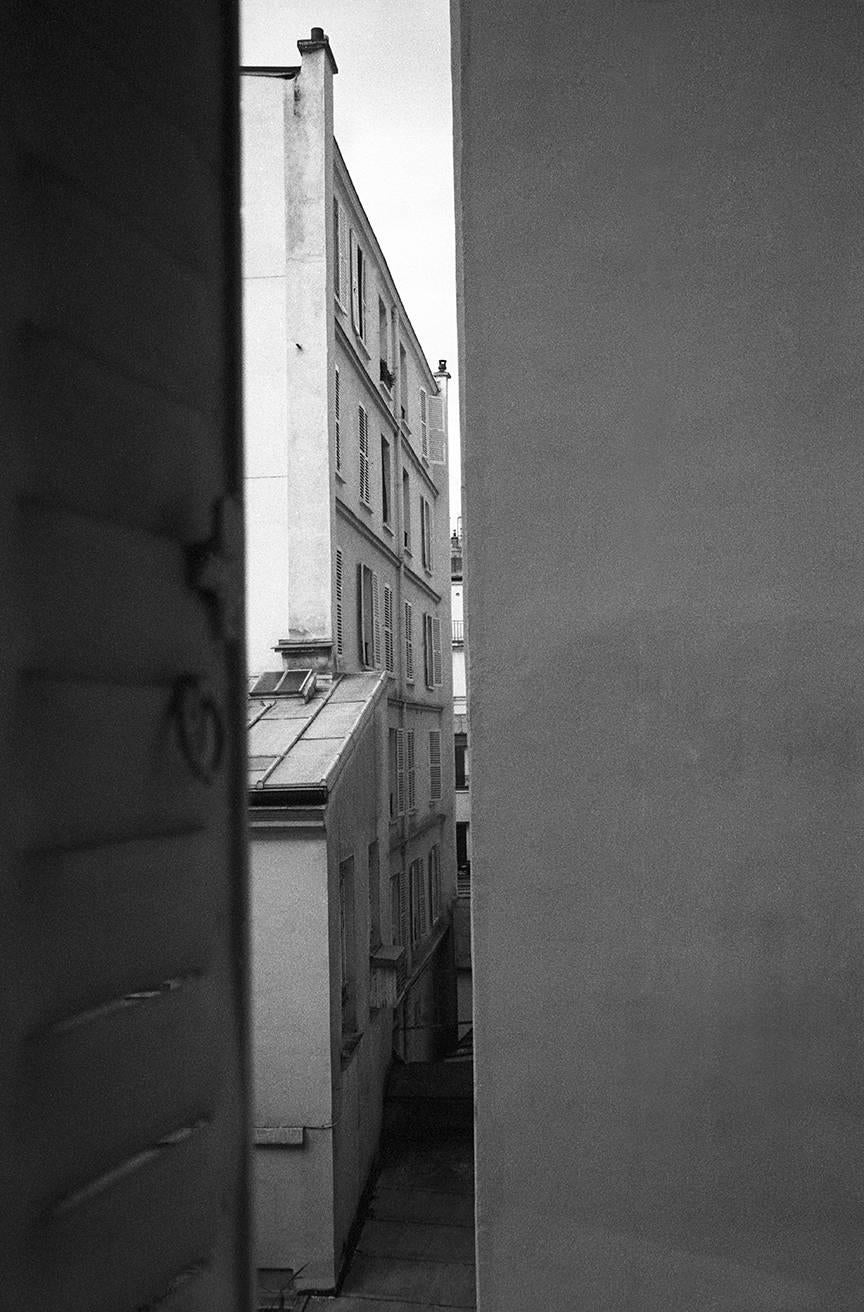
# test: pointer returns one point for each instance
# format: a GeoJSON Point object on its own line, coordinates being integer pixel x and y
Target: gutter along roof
{"type": "Point", "coordinates": [297, 748]}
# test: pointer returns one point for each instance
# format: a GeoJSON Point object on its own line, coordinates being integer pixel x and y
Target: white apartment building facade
{"type": "Point", "coordinates": [347, 493]}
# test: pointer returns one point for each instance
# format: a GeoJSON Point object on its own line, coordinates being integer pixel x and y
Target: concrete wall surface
{"type": "Point", "coordinates": [663, 286]}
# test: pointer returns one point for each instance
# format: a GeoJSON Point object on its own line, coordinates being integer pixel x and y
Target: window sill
{"type": "Point", "coordinates": [339, 475]}
{"type": "Point", "coordinates": [366, 505]}
{"type": "Point", "coordinates": [361, 346]}
{"type": "Point", "coordinates": [339, 306]}
{"type": "Point", "coordinates": [386, 527]}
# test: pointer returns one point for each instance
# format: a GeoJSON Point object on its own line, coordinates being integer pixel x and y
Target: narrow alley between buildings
{"type": "Point", "coordinates": [415, 1247]}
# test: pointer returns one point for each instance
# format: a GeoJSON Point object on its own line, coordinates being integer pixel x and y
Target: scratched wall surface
{"type": "Point", "coordinates": [123, 1072]}
{"type": "Point", "coordinates": [662, 293]}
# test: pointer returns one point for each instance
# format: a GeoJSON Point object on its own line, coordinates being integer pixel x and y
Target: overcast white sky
{"type": "Point", "coordinates": [393, 121]}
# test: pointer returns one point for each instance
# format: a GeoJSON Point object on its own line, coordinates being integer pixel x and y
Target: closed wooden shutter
{"type": "Point", "coordinates": [396, 932]}
{"type": "Point", "coordinates": [400, 771]}
{"type": "Point", "coordinates": [428, 663]}
{"type": "Point", "coordinates": [437, 668]}
{"type": "Point", "coordinates": [409, 642]}
{"type": "Point", "coordinates": [363, 638]}
{"type": "Point", "coordinates": [363, 445]}
{"type": "Point", "coordinates": [337, 418]}
{"type": "Point", "coordinates": [411, 769]}
{"type": "Point", "coordinates": [355, 283]}
{"type": "Point", "coordinates": [337, 282]}
{"type": "Point", "coordinates": [437, 439]}
{"type": "Point", "coordinates": [376, 623]}
{"type": "Point", "coordinates": [419, 901]}
{"type": "Point", "coordinates": [339, 620]}
{"type": "Point", "coordinates": [389, 664]}
{"type": "Point", "coordinates": [435, 880]}
{"type": "Point", "coordinates": [427, 513]}
{"type": "Point", "coordinates": [123, 916]}
{"type": "Point", "coordinates": [435, 765]}
{"type": "Point", "coordinates": [361, 257]}
{"type": "Point", "coordinates": [344, 275]}
{"type": "Point", "coordinates": [424, 425]}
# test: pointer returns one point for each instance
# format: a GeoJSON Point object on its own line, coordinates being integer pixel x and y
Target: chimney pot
{"type": "Point", "coordinates": [317, 34]}
{"type": "Point", "coordinates": [442, 366]}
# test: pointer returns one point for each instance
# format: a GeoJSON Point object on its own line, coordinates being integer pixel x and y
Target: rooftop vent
{"type": "Point", "coordinates": [286, 683]}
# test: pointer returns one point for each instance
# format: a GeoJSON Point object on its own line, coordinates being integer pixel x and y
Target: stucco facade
{"type": "Point", "coordinates": [661, 249]}
{"type": "Point", "coordinates": [323, 984]}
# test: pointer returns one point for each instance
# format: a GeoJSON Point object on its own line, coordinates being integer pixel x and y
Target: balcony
{"type": "Point", "coordinates": [463, 880]}
{"type": "Point", "coordinates": [457, 634]}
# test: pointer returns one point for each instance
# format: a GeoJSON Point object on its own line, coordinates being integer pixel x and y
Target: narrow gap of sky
{"type": "Point", "coordinates": [393, 122]}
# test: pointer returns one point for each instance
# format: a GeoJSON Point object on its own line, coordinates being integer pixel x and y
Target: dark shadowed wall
{"type": "Point", "coordinates": [663, 287]}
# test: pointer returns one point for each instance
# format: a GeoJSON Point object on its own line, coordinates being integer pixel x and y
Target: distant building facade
{"type": "Point", "coordinates": [462, 778]}
{"type": "Point", "coordinates": [347, 568]}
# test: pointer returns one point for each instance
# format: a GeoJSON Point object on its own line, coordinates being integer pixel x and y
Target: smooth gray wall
{"type": "Point", "coordinates": [662, 361]}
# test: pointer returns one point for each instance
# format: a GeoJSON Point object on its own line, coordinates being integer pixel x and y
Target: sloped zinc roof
{"type": "Point", "coordinates": [302, 744]}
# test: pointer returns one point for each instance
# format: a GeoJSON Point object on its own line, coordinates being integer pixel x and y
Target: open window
{"type": "Point", "coordinates": [368, 618]}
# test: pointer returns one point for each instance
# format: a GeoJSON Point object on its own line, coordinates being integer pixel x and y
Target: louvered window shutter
{"type": "Point", "coordinates": [339, 624]}
{"type": "Point", "coordinates": [388, 629]}
{"type": "Point", "coordinates": [363, 426]}
{"type": "Point", "coordinates": [415, 901]}
{"type": "Point", "coordinates": [355, 284]}
{"type": "Point", "coordinates": [435, 765]}
{"type": "Point", "coordinates": [400, 771]}
{"type": "Point", "coordinates": [404, 928]}
{"type": "Point", "coordinates": [424, 425]}
{"type": "Point", "coordinates": [337, 414]}
{"type": "Point", "coordinates": [409, 642]}
{"type": "Point", "coordinates": [416, 882]}
{"type": "Point", "coordinates": [343, 256]}
{"type": "Point", "coordinates": [428, 673]}
{"type": "Point", "coordinates": [435, 864]}
{"type": "Point", "coordinates": [411, 769]}
{"type": "Point", "coordinates": [437, 672]}
{"type": "Point", "coordinates": [362, 289]}
{"type": "Point", "coordinates": [376, 624]}
{"type": "Point", "coordinates": [362, 635]}
{"type": "Point", "coordinates": [429, 534]}
{"type": "Point", "coordinates": [337, 285]}
{"type": "Point", "coordinates": [396, 928]}
{"type": "Point", "coordinates": [423, 551]}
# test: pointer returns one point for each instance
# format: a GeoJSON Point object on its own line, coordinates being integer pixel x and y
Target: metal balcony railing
{"type": "Point", "coordinates": [463, 881]}
{"type": "Point", "coordinates": [458, 630]}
